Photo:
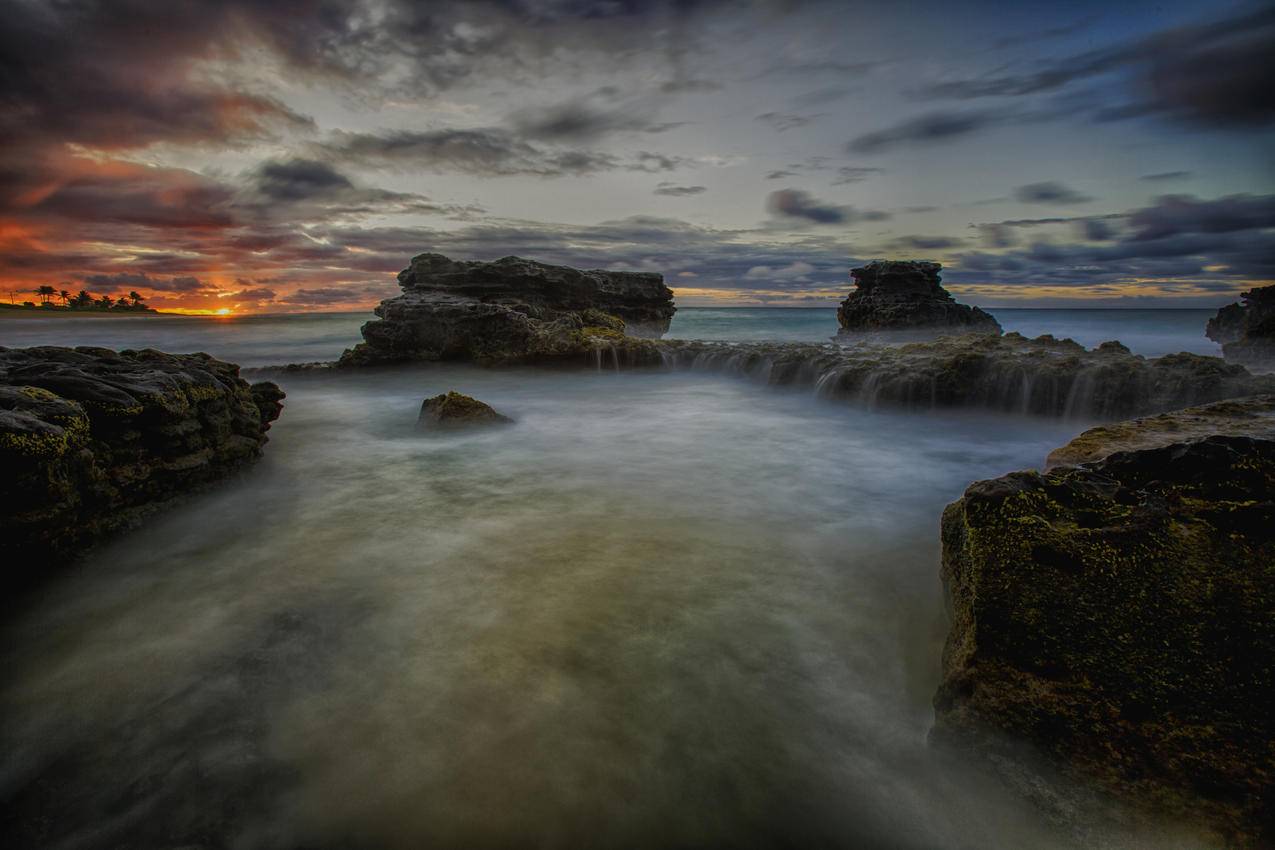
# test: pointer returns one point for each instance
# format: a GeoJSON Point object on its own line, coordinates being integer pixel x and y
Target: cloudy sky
{"type": "Point", "coordinates": [292, 155]}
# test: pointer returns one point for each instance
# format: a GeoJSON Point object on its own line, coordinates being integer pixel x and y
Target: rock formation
{"type": "Point", "coordinates": [1247, 332]}
{"type": "Point", "coordinates": [906, 296]}
{"type": "Point", "coordinates": [1119, 617]}
{"type": "Point", "coordinates": [91, 440]}
{"type": "Point", "coordinates": [1009, 373]}
{"type": "Point", "coordinates": [513, 310]}
{"type": "Point", "coordinates": [453, 410]}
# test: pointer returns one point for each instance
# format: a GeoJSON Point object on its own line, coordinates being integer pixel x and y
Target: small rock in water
{"type": "Point", "coordinates": [453, 410]}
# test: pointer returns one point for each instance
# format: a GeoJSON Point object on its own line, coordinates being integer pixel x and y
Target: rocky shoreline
{"type": "Point", "coordinates": [93, 440]}
{"type": "Point", "coordinates": [1118, 617]}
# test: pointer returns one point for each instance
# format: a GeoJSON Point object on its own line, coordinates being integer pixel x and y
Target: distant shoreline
{"type": "Point", "coordinates": [15, 311]}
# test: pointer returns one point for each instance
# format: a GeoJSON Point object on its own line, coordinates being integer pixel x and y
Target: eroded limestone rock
{"type": "Point", "coordinates": [91, 440]}
{"type": "Point", "coordinates": [905, 296]}
{"type": "Point", "coordinates": [1118, 618]}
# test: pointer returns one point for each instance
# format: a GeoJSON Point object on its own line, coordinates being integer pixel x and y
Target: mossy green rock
{"type": "Point", "coordinates": [453, 410]}
{"type": "Point", "coordinates": [1119, 617]}
{"type": "Point", "coordinates": [91, 440]}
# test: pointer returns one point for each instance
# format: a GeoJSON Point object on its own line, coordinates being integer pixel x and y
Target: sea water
{"type": "Point", "coordinates": [662, 609]}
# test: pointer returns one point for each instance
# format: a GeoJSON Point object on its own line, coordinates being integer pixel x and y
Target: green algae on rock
{"type": "Point", "coordinates": [91, 440]}
{"type": "Point", "coordinates": [1119, 618]}
{"type": "Point", "coordinates": [452, 410]}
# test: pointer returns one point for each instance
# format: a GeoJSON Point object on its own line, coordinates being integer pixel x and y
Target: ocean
{"type": "Point", "coordinates": [662, 609]}
{"type": "Point", "coordinates": [264, 340]}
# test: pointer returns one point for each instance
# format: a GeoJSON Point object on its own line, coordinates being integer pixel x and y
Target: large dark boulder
{"type": "Point", "coordinates": [514, 310]}
{"type": "Point", "coordinates": [905, 296]}
{"type": "Point", "coordinates": [1118, 618]}
{"type": "Point", "coordinates": [1246, 331]}
{"type": "Point", "coordinates": [91, 440]}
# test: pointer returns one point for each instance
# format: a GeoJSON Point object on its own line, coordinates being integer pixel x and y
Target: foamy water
{"type": "Point", "coordinates": [663, 609]}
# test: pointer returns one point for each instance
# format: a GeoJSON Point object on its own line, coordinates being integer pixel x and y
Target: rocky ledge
{"type": "Point", "coordinates": [905, 296]}
{"type": "Point", "coordinates": [1246, 331]}
{"type": "Point", "coordinates": [513, 310]}
{"type": "Point", "coordinates": [1119, 617]}
{"type": "Point", "coordinates": [91, 440]}
{"type": "Point", "coordinates": [1009, 373]}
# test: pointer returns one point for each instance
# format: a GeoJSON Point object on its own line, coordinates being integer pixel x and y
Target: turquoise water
{"type": "Point", "coordinates": [276, 339]}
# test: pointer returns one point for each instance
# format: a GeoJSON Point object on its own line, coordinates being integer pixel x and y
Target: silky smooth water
{"type": "Point", "coordinates": [662, 609]}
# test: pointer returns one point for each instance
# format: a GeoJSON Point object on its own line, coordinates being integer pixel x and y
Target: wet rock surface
{"type": "Point", "coordinates": [906, 296]}
{"type": "Point", "coordinates": [1009, 373]}
{"type": "Point", "coordinates": [1118, 617]}
{"type": "Point", "coordinates": [91, 440]}
{"type": "Point", "coordinates": [1246, 331]}
{"type": "Point", "coordinates": [1242, 417]}
{"type": "Point", "coordinates": [452, 410]}
{"type": "Point", "coordinates": [513, 310]}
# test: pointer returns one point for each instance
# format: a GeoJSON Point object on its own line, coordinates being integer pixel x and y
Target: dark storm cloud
{"type": "Point", "coordinates": [256, 294]}
{"type": "Point", "coordinates": [1165, 176]}
{"type": "Point", "coordinates": [300, 179]}
{"type": "Point", "coordinates": [925, 129]}
{"type": "Point", "coordinates": [925, 243]}
{"type": "Point", "coordinates": [490, 152]}
{"type": "Point", "coordinates": [1095, 230]}
{"type": "Point", "coordinates": [996, 235]}
{"type": "Point", "coordinates": [794, 203]}
{"type": "Point", "coordinates": [581, 122]}
{"type": "Point", "coordinates": [326, 295]}
{"type": "Point", "coordinates": [130, 280]}
{"type": "Point", "coordinates": [1178, 237]}
{"type": "Point", "coordinates": [676, 191]}
{"type": "Point", "coordinates": [1049, 192]}
{"type": "Point", "coordinates": [1216, 74]}
{"type": "Point", "coordinates": [301, 189]}
{"type": "Point", "coordinates": [1174, 215]}
{"type": "Point", "coordinates": [123, 75]}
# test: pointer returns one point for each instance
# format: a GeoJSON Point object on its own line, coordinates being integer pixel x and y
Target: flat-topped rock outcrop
{"type": "Point", "coordinates": [1240, 417]}
{"type": "Point", "coordinates": [906, 296]}
{"type": "Point", "coordinates": [512, 310]}
{"type": "Point", "coordinates": [1118, 618]}
{"type": "Point", "coordinates": [1011, 373]}
{"type": "Point", "coordinates": [91, 440]}
{"type": "Point", "coordinates": [1246, 331]}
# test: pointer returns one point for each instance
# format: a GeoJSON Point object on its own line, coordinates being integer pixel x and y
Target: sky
{"type": "Point", "coordinates": [293, 155]}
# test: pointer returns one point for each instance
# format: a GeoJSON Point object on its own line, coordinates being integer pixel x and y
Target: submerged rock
{"type": "Point", "coordinates": [514, 310]}
{"type": "Point", "coordinates": [1247, 332]}
{"type": "Point", "coordinates": [91, 440]}
{"type": "Point", "coordinates": [456, 410]}
{"type": "Point", "coordinates": [1119, 617]}
{"type": "Point", "coordinates": [905, 296]}
{"type": "Point", "coordinates": [1009, 373]}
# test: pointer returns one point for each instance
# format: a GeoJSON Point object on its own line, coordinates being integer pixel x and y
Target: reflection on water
{"type": "Point", "coordinates": [660, 610]}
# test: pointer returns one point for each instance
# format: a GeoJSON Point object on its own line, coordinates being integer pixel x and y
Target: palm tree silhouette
{"type": "Point", "coordinates": [135, 298]}
{"type": "Point", "coordinates": [45, 293]}
{"type": "Point", "coordinates": [65, 296]}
